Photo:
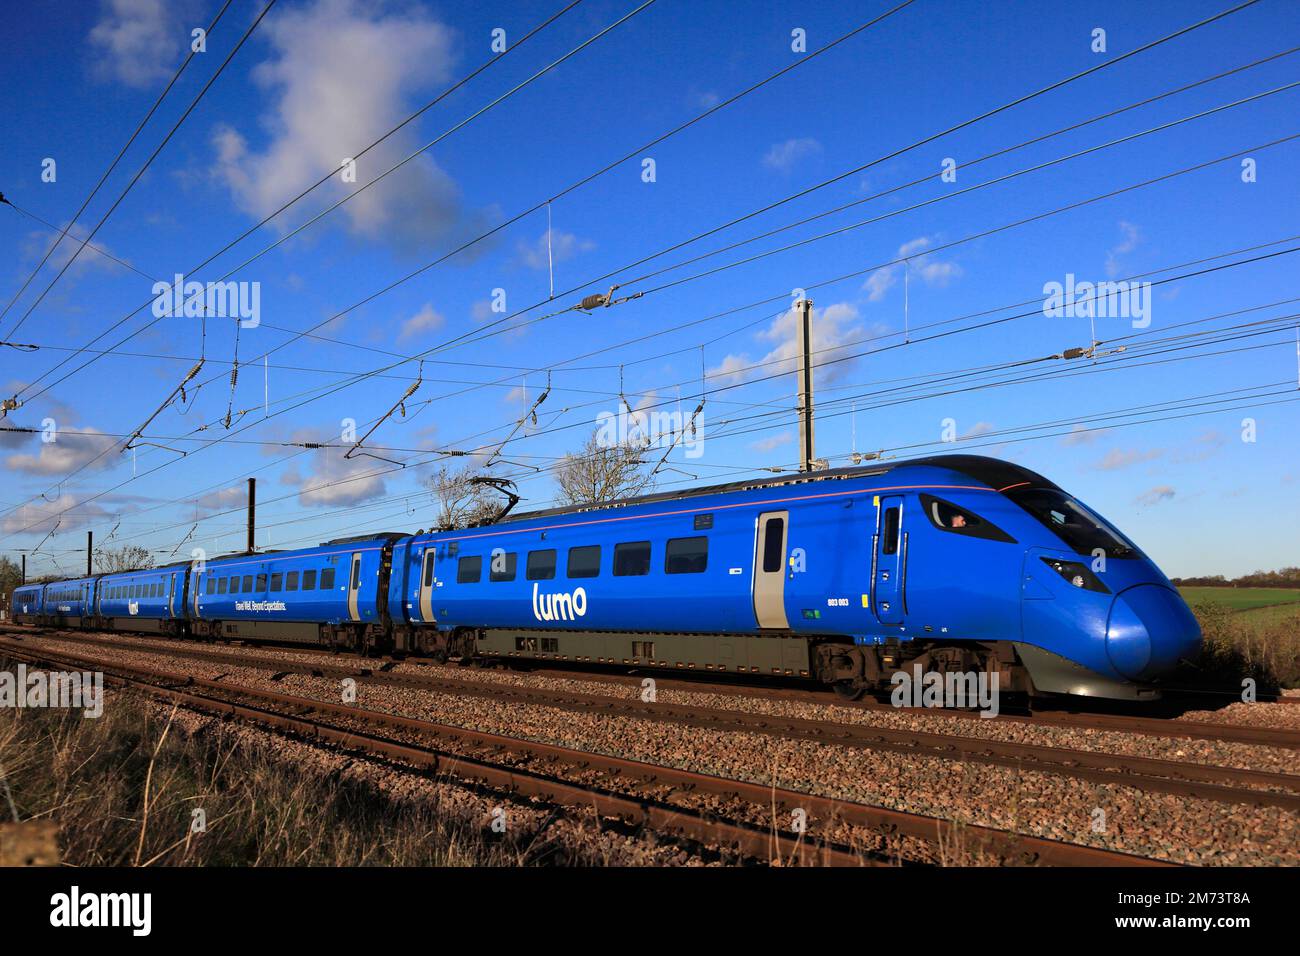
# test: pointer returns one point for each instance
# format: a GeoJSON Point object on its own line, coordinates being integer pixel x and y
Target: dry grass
{"type": "Point", "coordinates": [123, 789]}
{"type": "Point", "coordinates": [1239, 644]}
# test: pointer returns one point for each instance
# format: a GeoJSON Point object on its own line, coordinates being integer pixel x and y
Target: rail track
{"type": "Point", "coordinates": [1223, 784]}
{"type": "Point", "coordinates": [659, 798]}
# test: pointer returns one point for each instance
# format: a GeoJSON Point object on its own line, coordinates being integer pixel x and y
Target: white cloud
{"type": "Point", "coordinates": [564, 245]}
{"type": "Point", "coordinates": [65, 513]}
{"type": "Point", "coordinates": [341, 75]}
{"type": "Point", "coordinates": [1082, 435]}
{"type": "Point", "coordinates": [837, 334]}
{"type": "Point", "coordinates": [139, 42]}
{"type": "Point", "coordinates": [1153, 496]}
{"type": "Point", "coordinates": [1126, 245]}
{"type": "Point", "coordinates": [426, 320]}
{"type": "Point", "coordinates": [1117, 458]}
{"type": "Point", "coordinates": [66, 453]}
{"type": "Point", "coordinates": [921, 265]}
{"type": "Point", "coordinates": [783, 157]}
{"type": "Point", "coordinates": [223, 499]}
{"type": "Point", "coordinates": [327, 478]}
{"type": "Point", "coordinates": [774, 441]}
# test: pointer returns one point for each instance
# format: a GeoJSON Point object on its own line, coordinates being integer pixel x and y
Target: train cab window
{"type": "Point", "coordinates": [584, 562]}
{"type": "Point", "coordinates": [890, 531]}
{"type": "Point", "coordinates": [469, 569]}
{"type": "Point", "coordinates": [234, 585]}
{"type": "Point", "coordinates": [501, 566]}
{"type": "Point", "coordinates": [291, 581]}
{"type": "Point", "coordinates": [947, 516]}
{"type": "Point", "coordinates": [774, 545]}
{"type": "Point", "coordinates": [248, 583]}
{"type": "Point", "coordinates": [686, 555]}
{"type": "Point", "coordinates": [309, 580]}
{"type": "Point", "coordinates": [327, 579]}
{"type": "Point", "coordinates": [631, 558]}
{"type": "Point", "coordinates": [261, 583]}
{"type": "Point", "coordinates": [541, 565]}
{"type": "Point", "coordinates": [277, 581]}
{"type": "Point", "coordinates": [221, 585]}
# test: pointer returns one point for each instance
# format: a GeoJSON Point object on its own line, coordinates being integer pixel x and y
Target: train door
{"type": "Point", "coordinates": [890, 566]}
{"type": "Point", "coordinates": [769, 569]}
{"type": "Point", "coordinates": [426, 586]}
{"type": "Point", "coordinates": [354, 588]}
{"type": "Point", "coordinates": [171, 594]}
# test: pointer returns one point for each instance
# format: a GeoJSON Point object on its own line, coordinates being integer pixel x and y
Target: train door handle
{"type": "Point", "coordinates": [884, 575]}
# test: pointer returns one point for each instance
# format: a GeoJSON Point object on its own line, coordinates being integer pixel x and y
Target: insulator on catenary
{"type": "Point", "coordinates": [594, 301]}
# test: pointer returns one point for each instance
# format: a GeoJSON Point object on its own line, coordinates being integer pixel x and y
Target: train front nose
{"type": "Point", "coordinates": [1150, 629]}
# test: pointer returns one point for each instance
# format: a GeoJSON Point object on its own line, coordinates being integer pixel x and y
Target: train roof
{"type": "Point", "coordinates": [993, 472]}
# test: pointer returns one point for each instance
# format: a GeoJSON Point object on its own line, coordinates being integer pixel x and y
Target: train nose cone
{"type": "Point", "coordinates": [1150, 630]}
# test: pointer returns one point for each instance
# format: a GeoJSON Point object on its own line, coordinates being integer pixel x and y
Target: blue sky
{"type": "Point", "coordinates": [319, 80]}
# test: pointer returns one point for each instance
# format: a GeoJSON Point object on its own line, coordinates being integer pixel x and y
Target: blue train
{"type": "Point", "coordinates": [848, 576]}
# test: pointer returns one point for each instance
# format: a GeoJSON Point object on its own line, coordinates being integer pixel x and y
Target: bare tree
{"type": "Point", "coordinates": [129, 557]}
{"type": "Point", "coordinates": [461, 502]}
{"type": "Point", "coordinates": [600, 472]}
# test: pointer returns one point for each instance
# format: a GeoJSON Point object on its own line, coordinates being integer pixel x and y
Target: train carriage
{"type": "Point", "coordinates": [332, 594]}
{"type": "Point", "coordinates": [953, 563]}
{"type": "Point", "coordinates": [148, 601]}
{"type": "Point", "coordinates": [27, 603]}
{"type": "Point", "coordinates": [68, 603]}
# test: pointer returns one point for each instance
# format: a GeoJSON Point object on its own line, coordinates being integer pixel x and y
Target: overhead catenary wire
{"type": "Point", "coordinates": [147, 163]}
{"type": "Point", "coordinates": [63, 233]}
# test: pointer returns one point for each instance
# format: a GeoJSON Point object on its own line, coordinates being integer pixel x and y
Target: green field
{"type": "Point", "coordinates": [1241, 599]}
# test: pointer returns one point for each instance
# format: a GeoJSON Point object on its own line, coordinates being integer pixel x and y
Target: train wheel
{"type": "Point", "coordinates": [848, 690]}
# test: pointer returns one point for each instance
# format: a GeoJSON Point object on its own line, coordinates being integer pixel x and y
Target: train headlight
{"type": "Point", "coordinates": [1077, 574]}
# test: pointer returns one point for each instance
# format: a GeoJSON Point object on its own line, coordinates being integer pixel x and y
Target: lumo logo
{"type": "Point", "coordinates": [564, 606]}
{"type": "Point", "coordinates": [225, 300]}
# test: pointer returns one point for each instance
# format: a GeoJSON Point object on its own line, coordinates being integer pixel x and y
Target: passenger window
{"type": "Point", "coordinates": [469, 569]}
{"type": "Point", "coordinates": [212, 587]}
{"type": "Point", "coordinates": [248, 583]}
{"type": "Point", "coordinates": [774, 545]}
{"type": "Point", "coordinates": [327, 579]}
{"type": "Point", "coordinates": [234, 585]}
{"type": "Point", "coordinates": [686, 555]}
{"type": "Point", "coordinates": [291, 581]}
{"type": "Point", "coordinates": [631, 558]}
{"type": "Point", "coordinates": [584, 562]}
{"type": "Point", "coordinates": [501, 566]}
{"type": "Point", "coordinates": [277, 581]}
{"type": "Point", "coordinates": [890, 531]}
{"type": "Point", "coordinates": [947, 516]}
{"type": "Point", "coordinates": [221, 585]}
{"type": "Point", "coordinates": [541, 565]}
{"type": "Point", "coordinates": [309, 580]}
{"type": "Point", "coordinates": [261, 583]}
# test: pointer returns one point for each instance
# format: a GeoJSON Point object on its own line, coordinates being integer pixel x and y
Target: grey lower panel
{"type": "Point", "coordinates": [1058, 675]}
{"type": "Point", "coordinates": [140, 625]}
{"type": "Point", "coordinates": [296, 631]}
{"type": "Point", "coordinates": [786, 655]}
